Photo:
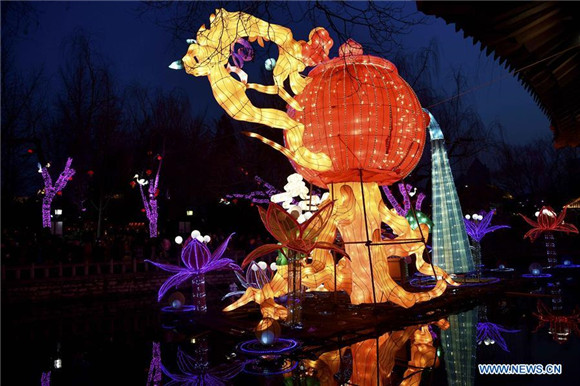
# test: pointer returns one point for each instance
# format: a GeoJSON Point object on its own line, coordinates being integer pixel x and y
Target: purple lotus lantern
{"type": "Point", "coordinates": [477, 226]}
{"type": "Point", "coordinates": [197, 260]}
{"type": "Point", "coordinates": [257, 276]}
{"type": "Point", "coordinates": [194, 370]}
{"type": "Point", "coordinates": [491, 333]}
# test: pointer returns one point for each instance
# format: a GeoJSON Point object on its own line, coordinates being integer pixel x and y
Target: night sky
{"type": "Point", "coordinates": [139, 50]}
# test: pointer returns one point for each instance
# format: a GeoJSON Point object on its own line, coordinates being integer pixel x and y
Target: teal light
{"type": "Point", "coordinates": [451, 249]}
{"type": "Point", "coordinates": [422, 217]}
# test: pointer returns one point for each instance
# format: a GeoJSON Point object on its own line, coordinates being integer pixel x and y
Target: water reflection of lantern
{"type": "Point", "coordinates": [559, 326]}
{"type": "Point", "coordinates": [371, 362]}
{"type": "Point", "coordinates": [268, 331]}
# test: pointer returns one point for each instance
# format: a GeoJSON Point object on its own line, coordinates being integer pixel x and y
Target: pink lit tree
{"type": "Point", "coordinates": [150, 198]}
{"type": "Point", "coordinates": [50, 190]}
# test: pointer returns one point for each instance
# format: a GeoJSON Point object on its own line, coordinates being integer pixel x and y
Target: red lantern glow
{"type": "Point", "coordinates": [30, 151]}
{"type": "Point", "coordinates": [90, 173]}
{"type": "Point", "coordinates": [363, 115]}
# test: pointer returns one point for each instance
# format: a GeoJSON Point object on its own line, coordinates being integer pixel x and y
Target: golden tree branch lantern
{"type": "Point", "coordinates": [352, 125]}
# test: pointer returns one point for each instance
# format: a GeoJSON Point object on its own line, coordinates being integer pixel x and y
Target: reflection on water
{"type": "Point", "coordinates": [371, 361]}
{"type": "Point", "coordinates": [131, 342]}
{"type": "Point", "coordinates": [459, 343]}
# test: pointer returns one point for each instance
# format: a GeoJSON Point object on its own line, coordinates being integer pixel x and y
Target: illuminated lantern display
{"type": "Point", "coordinates": [197, 260]}
{"type": "Point", "coordinates": [548, 223]}
{"type": "Point", "coordinates": [450, 245]}
{"type": "Point", "coordinates": [51, 190]}
{"type": "Point", "coordinates": [477, 225]}
{"type": "Point", "coordinates": [352, 125]}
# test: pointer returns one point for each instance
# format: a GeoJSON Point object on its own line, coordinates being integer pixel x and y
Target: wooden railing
{"type": "Point", "coordinates": [60, 270]}
{"type": "Point", "coordinates": [68, 270]}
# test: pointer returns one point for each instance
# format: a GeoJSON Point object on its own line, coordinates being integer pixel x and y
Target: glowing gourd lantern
{"type": "Point", "coordinates": [361, 113]}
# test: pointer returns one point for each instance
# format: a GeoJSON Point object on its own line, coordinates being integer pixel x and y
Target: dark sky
{"type": "Point", "coordinates": [139, 50]}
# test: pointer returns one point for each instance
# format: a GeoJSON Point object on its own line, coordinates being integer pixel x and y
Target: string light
{"type": "Point", "coordinates": [51, 191]}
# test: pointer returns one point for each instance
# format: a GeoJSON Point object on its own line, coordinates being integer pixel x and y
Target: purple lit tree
{"type": "Point", "coordinates": [198, 260]}
{"type": "Point", "coordinates": [477, 226]}
{"type": "Point", "coordinates": [155, 374]}
{"type": "Point", "coordinates": [407, 191]}
{"type": "Point", "coordinates": [50, 190]}
{"type": "Point", "coordinates": [150, 199]}
{"type": "Point", "coordinates": [257, 196]}
{"type": "Point", "coordinates": [45, 379]}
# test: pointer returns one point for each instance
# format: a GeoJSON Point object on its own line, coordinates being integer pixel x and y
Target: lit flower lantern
{"type": "Point", "coordinates": [548, 222]}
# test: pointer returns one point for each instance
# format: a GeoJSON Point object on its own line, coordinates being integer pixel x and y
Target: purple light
{"type": "Point", "coordinates": [50, 191]}
{"type": "Point", "coordinates": [287, 366]}
{"type": "Point", "coordinates": [243, 54]}
{"type": "Point", "coordinates": [194, 372]}
{"type": "Point", "coordinates": [490, 333]}
{"type": "Point", "coordinates": [197, 259]}
{"type": "Point", "coordinates": [404, 189]}
{"type": "Point", "coordinates": [150, 201]}
{"type": "Point", "coordinates": [45, 379]}
{"type": "Point", "coordinates": [154, 375]}
{"type": "Point", "coordinates": [538, 276]}
{"type": "Point", "coordinates": [477, 229]}
{"type": "Point", "coordinates": [253, 347]}
{"type": "Point", "coordinates": [255, 277]}
{"type": "Point", "coordinates": [257, 196]}
{"type": "Point", "coordinates": [183, 309]}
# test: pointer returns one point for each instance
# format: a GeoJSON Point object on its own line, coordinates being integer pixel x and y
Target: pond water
{"type": "Point", "coordinates": [123, 341]}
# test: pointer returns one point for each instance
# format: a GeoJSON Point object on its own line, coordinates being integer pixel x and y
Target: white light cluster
{"type": "Point", "coordinates": [475, 217]}
{"type": "Point", "coordinates": [196, 235]}
{"type": "Point", "coordinates": [263, 266]}
{"type": "Point", "coordinates": [296, 187]}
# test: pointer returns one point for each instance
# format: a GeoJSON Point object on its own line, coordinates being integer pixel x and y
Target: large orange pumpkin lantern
{"type": "Point", "coordinates": [354, 124]}
{"type": "Point", "coordinates": [364, 116]}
